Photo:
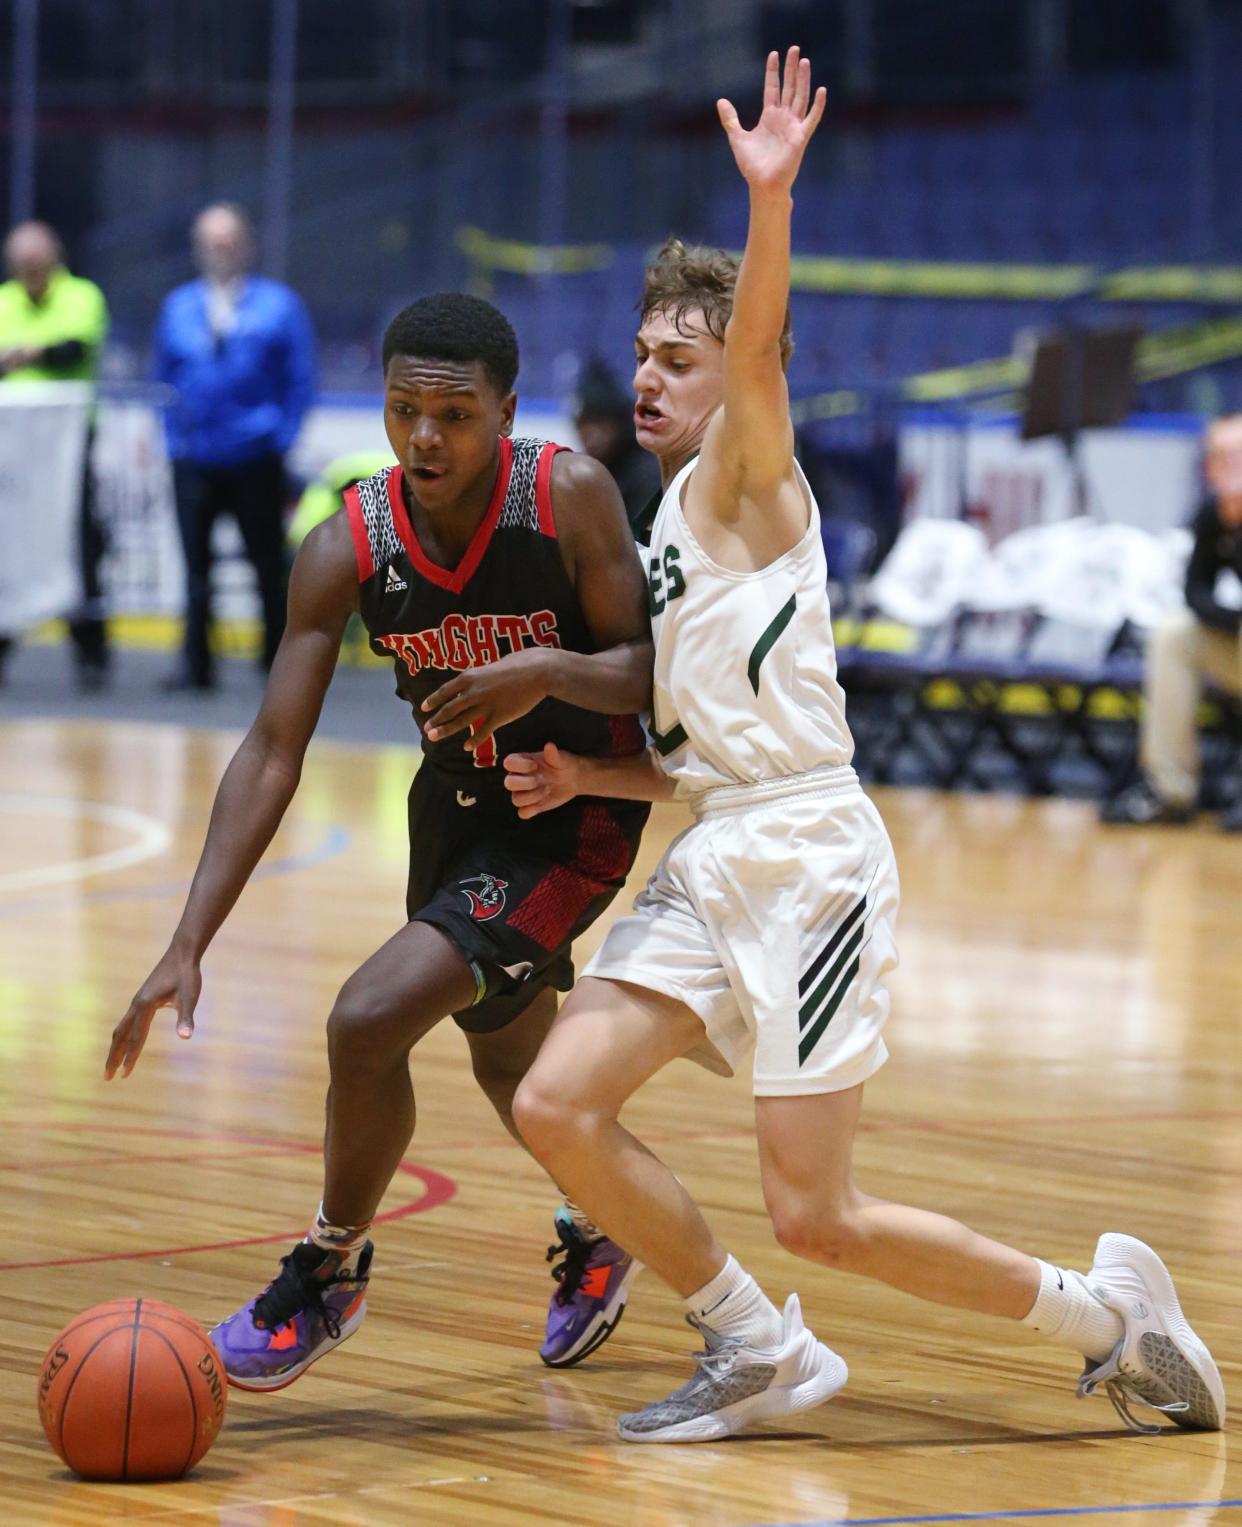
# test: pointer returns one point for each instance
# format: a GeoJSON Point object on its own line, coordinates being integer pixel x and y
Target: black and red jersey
{"type": "Point", "coordinates": [509, 591]}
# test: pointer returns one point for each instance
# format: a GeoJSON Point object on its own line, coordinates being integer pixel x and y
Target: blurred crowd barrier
{"type": "Point", "coordinates": [975, 472]}
{"type": "Point", "coordinates": [44, 431]}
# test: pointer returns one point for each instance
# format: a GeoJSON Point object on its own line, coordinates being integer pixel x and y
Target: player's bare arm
{"type": "Point", "coordinates": [540, 782]}
{"type": "Point", "coordinates": [745, 480]}
{"type": "Point", "coordinates": [598, 549]}
{"type": "Point", "coordinates": [257, 786]}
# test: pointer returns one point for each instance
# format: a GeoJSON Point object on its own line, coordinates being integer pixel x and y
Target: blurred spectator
{"type": "Point", "coordinates": [52, 327]}
{"type": "Point", "coordinates": [604, 418]}
{"type": "Point", "coordinates": [321, 498]}
{"type": "Point", "coordinates": [325, 494]}
{"type": "Point", "coordinates": [240, 353]}
{"type": "Point", "coordinates": [1202, 641]}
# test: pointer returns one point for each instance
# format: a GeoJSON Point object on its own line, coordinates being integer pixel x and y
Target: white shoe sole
{"type": "Point", "coordinates": [282, 1380]}
{"type": "Point", "coordinates": [780, 1400]}
{"type": "Point", "coordinates": [601, 1326]}
{"type": "Point", "coordinates": [1207, 1400]}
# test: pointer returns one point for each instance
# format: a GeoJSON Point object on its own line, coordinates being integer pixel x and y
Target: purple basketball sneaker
{"type": "Point", "coordinates": [594, 1280]}
{"type": "Point", "coordinates": [309, 1309]}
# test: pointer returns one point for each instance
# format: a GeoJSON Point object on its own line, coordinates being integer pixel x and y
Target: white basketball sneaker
{"type": "Point", "coordinates": [736, 1385]}
{"type": "Point", "coordinates": [1159, 1359]}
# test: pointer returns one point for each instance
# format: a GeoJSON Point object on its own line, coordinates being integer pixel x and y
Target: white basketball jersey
{"type": "Point", "coordinates": [745, 686]}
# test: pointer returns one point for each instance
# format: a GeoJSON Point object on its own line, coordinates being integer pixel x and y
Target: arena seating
{"type": "Point", "coordinates": [1031, 649]}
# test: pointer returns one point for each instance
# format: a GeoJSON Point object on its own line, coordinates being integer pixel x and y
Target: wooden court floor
{"type": "Point", "coordinates": [1066, 1060]}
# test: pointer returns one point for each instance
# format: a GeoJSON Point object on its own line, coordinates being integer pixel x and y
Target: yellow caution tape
{"type": "Point", "coordinates": [516, 258]}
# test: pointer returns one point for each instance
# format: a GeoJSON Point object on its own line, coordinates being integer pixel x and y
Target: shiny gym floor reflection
{"type": "Point", "coordinates": [1066, 1052]}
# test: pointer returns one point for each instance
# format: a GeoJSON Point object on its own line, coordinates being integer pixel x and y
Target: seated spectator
{"type": "Point", "coordinates": [1202, 641]}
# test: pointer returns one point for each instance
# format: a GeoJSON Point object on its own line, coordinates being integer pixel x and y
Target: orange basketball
{"type": "Point", "coordinates": [132, 1389]}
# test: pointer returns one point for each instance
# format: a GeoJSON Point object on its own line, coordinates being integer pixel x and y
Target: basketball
{"type": "Point", "coordinates": [131, 1390]}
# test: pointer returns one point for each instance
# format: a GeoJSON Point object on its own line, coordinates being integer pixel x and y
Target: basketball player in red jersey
{"type": "Point", "coordinates": [501, 578]}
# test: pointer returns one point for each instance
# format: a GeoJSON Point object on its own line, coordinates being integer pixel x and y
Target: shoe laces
{"type": "Point", "coordinates": [294, 1290]}
{"type": "Point", "coordinates": [719, 1352]}
{"type": "Point", "coordinates": [570, 1272]}
{"type": "Point", "coordinates": [1120, 1385]}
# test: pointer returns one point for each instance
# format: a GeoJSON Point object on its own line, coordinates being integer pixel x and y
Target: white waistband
{"type": "Point", "coordinates": [833, 779]}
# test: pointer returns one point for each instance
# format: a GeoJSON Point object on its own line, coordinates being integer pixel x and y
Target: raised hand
{"type": "Point", "coordinates": [770, 154]}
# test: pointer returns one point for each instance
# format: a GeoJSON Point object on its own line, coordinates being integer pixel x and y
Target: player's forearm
{"type": "Point", "coordinates": [253, 797]}
{"type": "Point", "coordinates": [761, 296]}
{"type": "Point", "coordinates": [636, 778]}
{"type": "Point", "coordinates": [616, 681]}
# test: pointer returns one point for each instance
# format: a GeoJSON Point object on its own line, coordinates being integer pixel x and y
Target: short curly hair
{"type": "Point", "coordinates": [452, 326]}
{"type": "Point", "coordinates": [685, 278]}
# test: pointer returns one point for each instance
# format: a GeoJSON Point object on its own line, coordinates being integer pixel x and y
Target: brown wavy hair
{"type": "Point", "coordinates": [687, 278]}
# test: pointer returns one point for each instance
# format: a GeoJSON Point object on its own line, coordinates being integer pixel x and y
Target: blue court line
{"type": "Point", "coordinates": [334, 842]}
{"type": "Point", "coordinates": [1007, 1516]}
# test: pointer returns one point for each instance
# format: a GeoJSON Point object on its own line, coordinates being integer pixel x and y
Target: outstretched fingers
{"type": "Point", "coordinates": [772, 80]}
{"type": "Point", "coordinates": [789, 85]}
{"type": "Point", "coordinates": [802, 88]}
{"type": "Point", "coordinates": [816, 113]}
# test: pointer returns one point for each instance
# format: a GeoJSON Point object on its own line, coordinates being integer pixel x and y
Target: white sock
{"type": "Point", "coordinates": [1068, 1313]}
{"type": "Point", "coordinates": [346, 1240]}
{"type": "Point", "coordinates": [734, 1305]}
{"type": "Point", "coordinates": [589, 1229]}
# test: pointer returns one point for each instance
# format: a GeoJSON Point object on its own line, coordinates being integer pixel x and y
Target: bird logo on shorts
{"type": "Point", "coordinates": [489, 900]}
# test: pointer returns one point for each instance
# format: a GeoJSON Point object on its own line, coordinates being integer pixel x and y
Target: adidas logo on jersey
{"type": "Point", "coordinates": [395, 584]}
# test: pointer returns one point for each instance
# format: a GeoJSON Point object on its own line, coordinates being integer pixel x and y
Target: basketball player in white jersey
{"type": "Point", "coordinates": [769, 921]}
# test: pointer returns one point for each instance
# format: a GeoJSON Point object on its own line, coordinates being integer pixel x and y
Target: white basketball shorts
{"type": "Point", "coordinates": [773, 919]}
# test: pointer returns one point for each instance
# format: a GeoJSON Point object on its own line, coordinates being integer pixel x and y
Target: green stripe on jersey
{"type": "Point", "coordinates": [768, 640]}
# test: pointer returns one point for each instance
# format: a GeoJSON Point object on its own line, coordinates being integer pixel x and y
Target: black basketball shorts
{"type": "Point", "coordinates": [513, 895]}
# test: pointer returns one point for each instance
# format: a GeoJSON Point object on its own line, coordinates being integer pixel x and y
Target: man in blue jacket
{"type": "Point", "coordinates": [239, 352]}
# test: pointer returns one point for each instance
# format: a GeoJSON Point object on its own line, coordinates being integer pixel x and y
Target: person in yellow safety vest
{"type": "Point", "coordinates": [322, 497]}
{"type": "Point", "coordinates": [325, 494]}
{"type": "Point", "coordinates": [52, 328]}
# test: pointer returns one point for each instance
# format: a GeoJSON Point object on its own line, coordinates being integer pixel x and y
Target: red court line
{"type": "Point", "coordinates": [437, 1190]}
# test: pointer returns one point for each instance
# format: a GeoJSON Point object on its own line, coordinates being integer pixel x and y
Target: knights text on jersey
{"type": "Point", "coordinates": [510, 591]}
{"type": "Point", "coordinates": [745, 685]}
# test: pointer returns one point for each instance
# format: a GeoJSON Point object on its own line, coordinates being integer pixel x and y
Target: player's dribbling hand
{"type": "Point", "coordinates": [175, 982]}
{"type": "Point", "coordinates": [488, 697]}
{"type": "Point", "coordinates": [769, 155]}
{"type": "Point", "coordinates": [541, 782]}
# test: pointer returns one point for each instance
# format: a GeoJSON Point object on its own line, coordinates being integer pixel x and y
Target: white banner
{"type": "Point", "coordinates": [42, 438]}
{"type": "Point", "coordinates": [143, 571]}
